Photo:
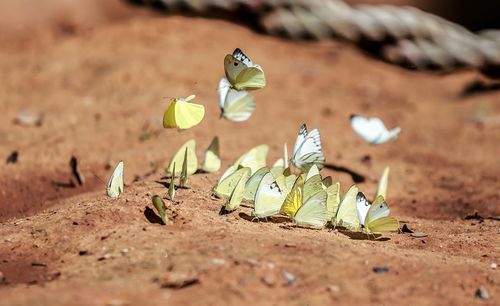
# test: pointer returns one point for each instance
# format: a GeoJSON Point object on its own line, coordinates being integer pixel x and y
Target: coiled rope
{"type": "Point", "coordinates": [401, 35]}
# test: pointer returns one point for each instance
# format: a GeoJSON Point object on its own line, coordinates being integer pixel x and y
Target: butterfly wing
{"type": "Point", "coordinates": [327, 181]}
{"type": "Point", "coordinates": [377, 210]}
{"type": "Point", "coordinates": [313, 213]}
{"type": "Point", "coordinates": [253, 183]}
{"type": "Point", "coordinates": [211, 162]}
{"type": "Point", "coordinates": [384, 224]}
{"type": "Point", "coordinates": [188, 115]}
{"type": "Point", "coordinates": [333, 200]}
{"type": "Point", "coordinates": [115, 183]}
{"type": "Point", "coordinates": [169, 116]}
{"type": "Point", "coordinates": [238, 105]}
{"type": "Point", "coordinates": [192, 161]}
{"type": "Point", "coordinates": [250, 78]}
{"type": "Point", "coordinates": [311, 187]}
{"type": "Point", "coordinates": [268, 198]}
{"type": "Point", "coordinates": [346, 214]}
{"type": "Point", "coordinates": [232, 68]}
{"type": "Point", "coordinates": [300, 138]}
{"type": "Point", "coordinates": [314, 170]}
{"type": "Point", "coordinates": [362, 207]}
{"type": "Point", "coordinates": [223, 89]}
{"type": "Point", "coordinates": [388, 135]}
{"type": "Point", "coordinates": [237, 194]}
{"type": "Point", "coordinates": [293, 200]}
{"type": "Point", "coordinates": [382, 184]}
{"type": "Point", "coordinates": [255, 158]}
{"type": "Point", "coordinates": [225, 188]}
{"type": "Point", "coordinates": [309, 152]}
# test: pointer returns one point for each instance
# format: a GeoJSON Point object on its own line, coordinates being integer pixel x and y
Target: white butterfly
{"type": "Point", "coordinates": [235, 105]}
{"type": "Point", "coordinates": [115, 184]}
{"type": "Point", "coordinates": [362, 207]}
{"type": "Point", "coordinates": [307, 150]}
{"type": "Point", "coordinates": [373, 130]}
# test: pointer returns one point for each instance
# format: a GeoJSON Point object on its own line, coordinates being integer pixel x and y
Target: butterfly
{"type": "Point", "coordinates": [182, 115]}
{"type": "Point", "coordinates": [115, 184]}
{"type": "Point", "coordinates": [192, 161]}
{"type": "Point", "coordinates": [235, 105]}
{"type": "Point", "coordinates": [253, 183]}
{"type": "Point", "coordinates": [307, 150]}
{"type": "Point", "coordinates": [333, 200]}
{"type": "Point", "coordinates": [160, 208]}
{"type": "Point", "coordinates": [236, 196]}
{"type": "Point", "coordinates": [211, 162]}
{"type": "Point", "coordinates": [226, 185]}
{"type": "Point", "coordinates": [377, 217]}
{"type": "Point", "coordinates": [373, 130]}
{"type": "Point", "coordinates": [254, 158]}
{"type": "Point", "coordinates": [346, 215]}
{"type": "Point", "coordinates": [268, 197]}
{"type": "Point", "coordinates": [241, 73]}
{"type": "Point", "coordinates": [293, 200]}
{"type": "Point", "coordinates": [313, 213]}
{"type": "Point", "coordinates": [382, 184]}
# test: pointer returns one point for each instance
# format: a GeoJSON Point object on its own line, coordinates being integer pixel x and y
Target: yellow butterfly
{"type": "Point", "coordinates": [182, 115]}
{"type": "Point", "coordinates": [211, 162]}
{"type": "Point", "coordinates": [312, 186]}
{"type": "Point", "coordinates": [293, 200]}
{"type": "Point", "coordinates": [382, 184]}
{"type": "Point", "coordinates": [313, 213]}
{"type": "Point", "coordinates": [347, 215]}
{"type": "Point", "coordinates": [237, 194]}
{"type": "Point", "coordinates": [160, 207]}
{"type": "Point", "coordinates": [378, 220]}
{"type": "Point", "coordinates": [333, 200]}
{"type": "Point", "coordinates": [115, 184]}
{"type": "Point", "coordinates": [192, 161]}
{"type": "Point", "coordinates": [253, 183]}
{"type": "Point", "coordinates": [254, 158]}
{"type": "Point", "coordinates": [171, 186]}
{"type": "Point", "coordinates": [225, 188]}
{"type": "Point", "coordinates": [242, 73]}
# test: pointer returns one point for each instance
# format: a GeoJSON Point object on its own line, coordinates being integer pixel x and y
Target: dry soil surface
{"type": "Point", "coordinates": [102, 93]}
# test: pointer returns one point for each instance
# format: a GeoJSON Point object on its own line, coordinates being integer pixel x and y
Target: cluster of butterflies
{"type": "Point", "coordinates": [309, 199]}
{"type": "Point", "coordinates": [235, 102]}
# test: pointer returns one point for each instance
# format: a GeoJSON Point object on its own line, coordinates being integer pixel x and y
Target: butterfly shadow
{"type": "Point", "coordinates": [356, 177]}
{"type": "Point", "coordinates": [478, 87]}
{"type": "Point", "coordinates": [68, 184]}
{"type": "Point", "coordinates": [270, 219]}
{"type": "Point", "coordinates": [151, 216]}
{"type": "Point", "coordinates": [363, 236]}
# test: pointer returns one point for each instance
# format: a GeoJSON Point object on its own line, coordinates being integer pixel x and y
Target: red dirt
{"type": "Point", "coordinates": [102, 89]}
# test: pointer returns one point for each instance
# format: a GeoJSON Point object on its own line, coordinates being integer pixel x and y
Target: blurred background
{"type": "Point", "coordinates": [20, 19]}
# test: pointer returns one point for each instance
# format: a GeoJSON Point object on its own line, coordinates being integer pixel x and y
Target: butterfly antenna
{"type": "Point", "coordinates": [98, 177]}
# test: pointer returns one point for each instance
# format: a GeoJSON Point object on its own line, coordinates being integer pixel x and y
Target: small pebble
{"type": "Point", "coordinates": [124, 251]}
{"type": "Point", "coordinates": [116, 302]}
{"type": "Point", "coordinates": [289, 277]}
{"type": "Point", "coordinates": [252, 262]}
{"type": "Point", "coordinates": [269, 280]}
{"type": "Point", "coordinates": [333, 288]}
{"type": "Point", "coordinates": [179, 280]}
{"type": "Point", "coordinates": [2, 277]}
{"type": "Point", "coordinates": [218, 261]}
{"type": "Point", "coordinates": [290, 245]}
{"type": "Point", "coordinates": [493, 265]}
{"type": "Point", "coordinates": [380, 269]}
{"type": "Point", "coordinates": [104, 257]}
{"type": "Point", "coordinates": [482, 293]}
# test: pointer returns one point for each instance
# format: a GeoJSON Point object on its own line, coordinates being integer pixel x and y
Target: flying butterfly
{"type": "Point", "coordinates": [307, 150]}
{"type": "Point", "coordinates": [373, 130]}
{"type": "Point", "coordinates": [234, 105]}
{"type": "Point", "coordinates": [241, 73]}
{"type": "Point", "coordinates": [115, 184]}
{"type": "Point", "coordinates": [182, 114]}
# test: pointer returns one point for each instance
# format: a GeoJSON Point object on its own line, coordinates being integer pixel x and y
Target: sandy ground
{"type": "Point", "coordinates": [102, 92]}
